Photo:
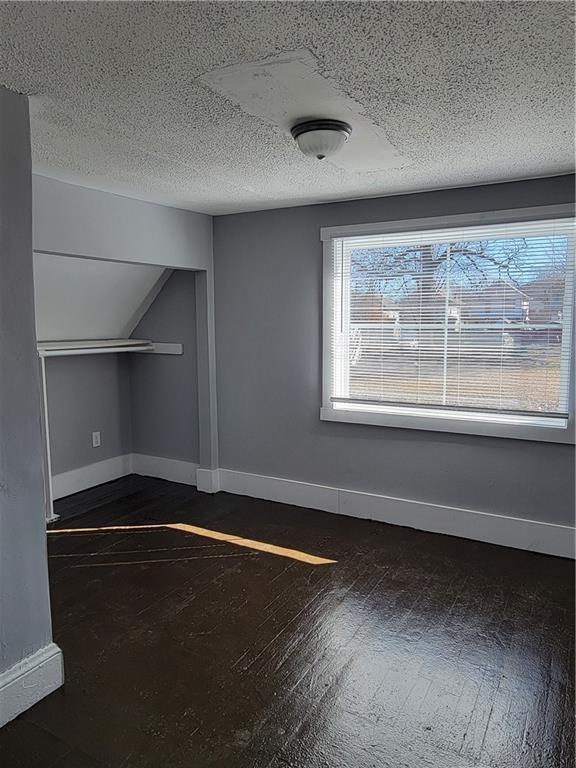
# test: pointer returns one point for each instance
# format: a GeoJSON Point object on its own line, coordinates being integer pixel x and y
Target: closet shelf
{"type": "Point", "coordinates": [102, 346]}
{"type": "Point", "coordinates": [92, 347]}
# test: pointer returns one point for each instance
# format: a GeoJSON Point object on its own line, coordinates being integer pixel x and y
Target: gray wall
{"type": "Point", "coordinates": [74, 220]}
{"type": "Point", "coordinates": [164, 388]}
{"type": "Point", "coordinates": [268, 287]}
{"type": "Point", "coordinates": [24, 599]}
{"type": "Point", "coordinates": [85, 394]}
{"type": "Point", "coordinates": [139, 403]}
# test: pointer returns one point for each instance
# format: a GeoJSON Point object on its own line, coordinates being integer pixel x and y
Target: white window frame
{"type": "Point", "coordinates": [431, 419]}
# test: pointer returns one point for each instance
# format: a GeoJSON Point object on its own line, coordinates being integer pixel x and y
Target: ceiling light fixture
{"type": "Point", "coordinates": [321, 138]}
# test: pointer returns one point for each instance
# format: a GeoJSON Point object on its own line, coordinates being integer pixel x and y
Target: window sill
{"type": "Point", "coordinates": [549, 430]}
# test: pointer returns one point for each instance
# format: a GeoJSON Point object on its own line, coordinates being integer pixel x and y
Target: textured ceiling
{"type": "Point", "coordinates": [130, 97]}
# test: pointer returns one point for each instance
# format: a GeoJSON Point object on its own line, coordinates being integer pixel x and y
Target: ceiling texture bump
{"type": "Point", "coordinates": [183, 103]}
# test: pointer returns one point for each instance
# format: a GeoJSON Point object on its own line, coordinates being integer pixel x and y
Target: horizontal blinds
{"type": "Point", "coordinates": [470, 318]}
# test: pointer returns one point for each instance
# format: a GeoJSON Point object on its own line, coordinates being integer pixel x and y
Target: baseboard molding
{"type": "Point", "coordinates": [520, 533]}
{"type": "Point", "coordinates": [24, 684]}
{"type": "Point", "coordinates": [546, 538]}
{"type": "Point", "coordinates": [91, 475]}
{"type": "Point", "coordinates": [67, 483]}
{"type": "Point", "coordinates": [208, 480]}
{"type": "Point", "coordinates": [167, 469]}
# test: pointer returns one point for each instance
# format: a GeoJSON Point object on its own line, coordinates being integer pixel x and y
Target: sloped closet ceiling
{"type": "Point", "coordinates": [89, 299]}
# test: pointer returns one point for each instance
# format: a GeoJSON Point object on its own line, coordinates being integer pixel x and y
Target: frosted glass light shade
{"type": "Point", "coordinates": [321, 138]}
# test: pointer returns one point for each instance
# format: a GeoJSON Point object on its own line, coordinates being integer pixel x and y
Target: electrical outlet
{"type": "Point", "coordinates": [96, 440]}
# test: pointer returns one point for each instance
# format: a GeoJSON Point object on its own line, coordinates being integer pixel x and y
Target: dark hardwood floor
{"type": "Point", "coordinates": [181, 650]}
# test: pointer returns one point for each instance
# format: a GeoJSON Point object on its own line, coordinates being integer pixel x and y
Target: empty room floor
{"type": "Point", "coordinates": [214, 631]}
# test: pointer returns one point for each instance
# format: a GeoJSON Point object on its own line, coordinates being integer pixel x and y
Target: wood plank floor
{"type": "Point", "coordinates": [412, 650]}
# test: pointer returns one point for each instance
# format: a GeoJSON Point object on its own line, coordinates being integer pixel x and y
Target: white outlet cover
{"type": "Point", "coordinates": [96, 442]}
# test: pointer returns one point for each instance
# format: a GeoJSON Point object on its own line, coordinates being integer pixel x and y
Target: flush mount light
{"type": "Point", "coordinates": [321, 138]}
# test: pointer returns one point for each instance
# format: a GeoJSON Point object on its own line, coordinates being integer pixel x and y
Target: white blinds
{"type": "Point", "coordinates": [476, 318]}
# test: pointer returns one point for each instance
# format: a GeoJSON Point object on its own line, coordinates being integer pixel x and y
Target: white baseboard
{"type": "Point", "coordinates": [167, 469]}
{"type": "Point", "coordinates": [82, 478]}
{"type": "Point", "coordinates": [547, 538]}
{"type": "Point", "coordinates": [24, 684]}
{"type": "Point", "coordinates": [492, 528]}
{"type": "Point", "coordinates": [208, 480]}
{"type": "Point", "coordinates": [79, 479]}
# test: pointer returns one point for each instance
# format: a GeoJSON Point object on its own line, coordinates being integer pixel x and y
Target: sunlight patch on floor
{"type": "Point", "coordinates": [229, 538]}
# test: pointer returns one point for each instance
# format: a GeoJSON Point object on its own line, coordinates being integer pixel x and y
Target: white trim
{"type": "Point", "coordinates": [459, 220]}
{"type": "Point", "coordinates": [280, 489]}
{"type": "Point", "coordinates": [166, 469]}
{"type": "Point", "coordinates": [106, 346]}
{"type": "Point", "coordinates": [457, 423]}
{"type": "Point", "coordinates": [75, 480]}
{"type": "Point", "coordinates": [28, 681]}
{"type": "Point", "coordinates": [51, 517]}
{"type": "Point", "coordinates": [208, 480]}
{"type": "Point", "coordinates": [520, 533]}
{"type": "Point", "coordinates": [80, 479]}
{"type": "Point", "coordinates": [92, 347]}
{"type": "Point", "coordinates": [493, 528]}
{"type": "Point", "coordinates": [164, 348]}
{"type": "Point", "coordinates": [327, 314]}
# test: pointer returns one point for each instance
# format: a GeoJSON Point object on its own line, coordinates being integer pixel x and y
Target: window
{"type": "Point", "coordinates": [459, 328]}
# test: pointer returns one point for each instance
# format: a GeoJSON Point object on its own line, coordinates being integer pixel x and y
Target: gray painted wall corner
{"type": "Point", "coordinates": [164, 388]}
{"type": "Point", "coordinates": [25, 625]}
